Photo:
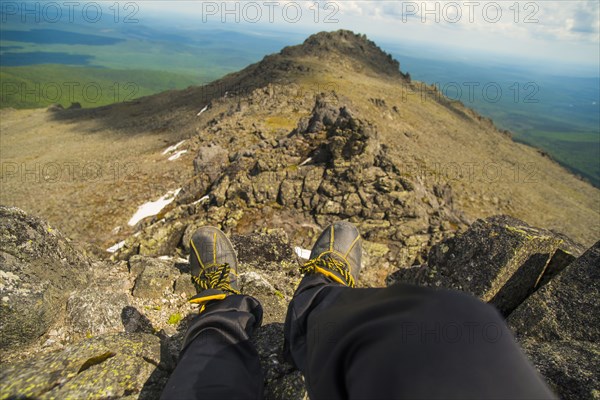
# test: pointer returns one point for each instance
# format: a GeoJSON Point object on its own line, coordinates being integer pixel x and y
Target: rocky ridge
{"type": "Point", "coordinates": [343, 49]}
{"type": "Point", "coordinates": [434, 143]}
{"type": "Point", "coordinates": [331, 166]}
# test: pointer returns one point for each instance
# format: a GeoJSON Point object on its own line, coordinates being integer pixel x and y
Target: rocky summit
{"type": "Point", "coordinates": [330, 129]}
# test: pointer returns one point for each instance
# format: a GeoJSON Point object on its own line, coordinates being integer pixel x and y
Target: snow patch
{"type": "Point", "coordinates": [173, 148]}
{"type": "Point", "coordinates": [201, 111]}
{"type": "Point", "coordinates": [200, 200]}
{"type": "Point", "coordinates": [177, 155]}
{"type": "Point", "coordinates": [115, 247]}
{"type": "Point", "coordinates": [153, 207]}
{"type": "Point", "coordinates": [309, 159]}
{"type": "Point", "coordinates": [302, 253]}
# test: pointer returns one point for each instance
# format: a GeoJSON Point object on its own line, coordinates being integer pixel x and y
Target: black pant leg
{"type": "Point", "coordinates": [405, 342]}
{"type": "Point", "coordinates": [218, 361]}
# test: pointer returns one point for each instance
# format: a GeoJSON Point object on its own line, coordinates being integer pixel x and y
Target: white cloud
{"type": "Point", "coordinates": [550, 29]}
{"type": "Point", "coordinates": [568, 20]}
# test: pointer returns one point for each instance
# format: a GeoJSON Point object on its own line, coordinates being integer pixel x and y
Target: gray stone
{"type": "Point", "coordinates": [282, 380]}
{"type": "Point", "coordinates": [569, 367]}
{"type": "Point", "coordinates": [324, 114]}
{"type": "Point", "coordinates": [109, 366]}
{"type": "Point", "coordinates": [500, 260]}
{"type": "Point", "coordinates": [312, 180]}
{"type": "Point", "coordinates": [289, 191]}
{"type": "Point", "coordinates": [94, 311]}
{"type": "Point", "coordinates": [135, 322]}
{"type": "Point", "coordinates": [161, 238]}
{"type": "Point", "coordinates": [567, 251]}
{"type": "Point", "coordinates": [352, 204]}
{"type": "Point", "coordinates": [39, 269]}
{"type": "Point", "coordinates": [155, 277]}
{"type": "Point", "coordinates": [184, 285]}
{"type": "Point", "coordinates": [252, 282]}
{"type": "Point", "coordinates": [219, 191]}
{"type": "Point", "coordinates": [262, 247]}
{"type": "Point", "coordinates": [567, 308]}
{"type": "Point", "coordinates": [265, 186]}
{"type": "Point", "coordinates": [210, 161]}
{"type": "Point", "coordinates": [194, 189]}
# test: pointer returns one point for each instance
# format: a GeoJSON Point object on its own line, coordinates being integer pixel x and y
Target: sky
{"type": "Point", "coordinates": [564, 32]}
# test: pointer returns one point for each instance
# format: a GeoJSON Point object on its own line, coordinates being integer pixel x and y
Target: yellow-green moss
{"type": "Point", "coordinates": [174, 319]}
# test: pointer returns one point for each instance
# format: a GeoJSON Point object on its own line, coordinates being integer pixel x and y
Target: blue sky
{"type": "Point", "coordinates": [544, 32]}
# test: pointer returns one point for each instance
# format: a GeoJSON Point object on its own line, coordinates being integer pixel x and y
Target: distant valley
{"type": "Point", "coordinates": [64, 63]}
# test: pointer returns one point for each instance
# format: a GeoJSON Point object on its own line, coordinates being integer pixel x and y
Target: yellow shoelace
{"type": "Point", "coordinates": [318, 265]}
{"type": "Point", "coordinates": [215, 277]}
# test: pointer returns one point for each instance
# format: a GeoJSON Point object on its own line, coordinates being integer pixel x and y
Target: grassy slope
{"type": "Point", "coordinates": [125, 135]}
{"type": "Point", "coordinates": [572, 142]}
{"type": "Point", "coordinates": [42, 85]}
{"type": "Point", "coordinates": [578, 151]}
{"type": "Point", "coordinates": [559, 115]}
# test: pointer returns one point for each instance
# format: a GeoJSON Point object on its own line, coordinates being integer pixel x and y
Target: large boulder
{"type": "Point", "coordinates": [559, 328]}
{"type": "Point", "coordinates": [105, 367]}
{"type": "Point", "coordinates": [155, 277]}
{"type": "Point", "coordinates": [570, 367]}
{"type": "Point", "coordinates": [567, 308]}
{"type": "Point", "coordinates": [97, 308]}
{"type": "Point", "coordinates": [501, 260]}
{"type": "Point", "coordinates": [39, 268]}
{"type": "Point", "coordinates": [210, 161]}
{"type": "Point", "coordinates": [323, 114]}
{"type": "Point", "coordinates": [160, 238]}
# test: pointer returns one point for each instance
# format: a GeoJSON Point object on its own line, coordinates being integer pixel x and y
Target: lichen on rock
{"type": "Point", "coordinates": [39, 269]}
{"type": "Point", "coordinates": [109, 366]}
{"type": "Point", "coordinates": [500, 260]}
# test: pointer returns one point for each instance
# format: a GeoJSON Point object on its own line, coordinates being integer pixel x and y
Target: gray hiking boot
{"type": "Point", "coordinates": [213, 265]}
{"type": "Point", "coordinates": [337, 254]}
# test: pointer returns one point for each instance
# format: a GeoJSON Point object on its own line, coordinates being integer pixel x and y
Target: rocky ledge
{"type": "Point", "coordinates": [112, 329]}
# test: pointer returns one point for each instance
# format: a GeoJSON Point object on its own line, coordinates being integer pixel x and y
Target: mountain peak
{"type": "Point", "coordinates": [331, 46]}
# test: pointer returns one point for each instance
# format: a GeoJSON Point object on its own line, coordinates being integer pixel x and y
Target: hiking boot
{"type": "Point", "coordinates": [213, 266]}
{"type": "Point", "coordinates": [336, 254]}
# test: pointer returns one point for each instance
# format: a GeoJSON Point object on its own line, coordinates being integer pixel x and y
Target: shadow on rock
{"type": "Point", "coordinates": [136, 322]}
{"type": "Point", "coordinates": [282, 380]}
{"type": "Point", "coordinates": [183, 267]}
